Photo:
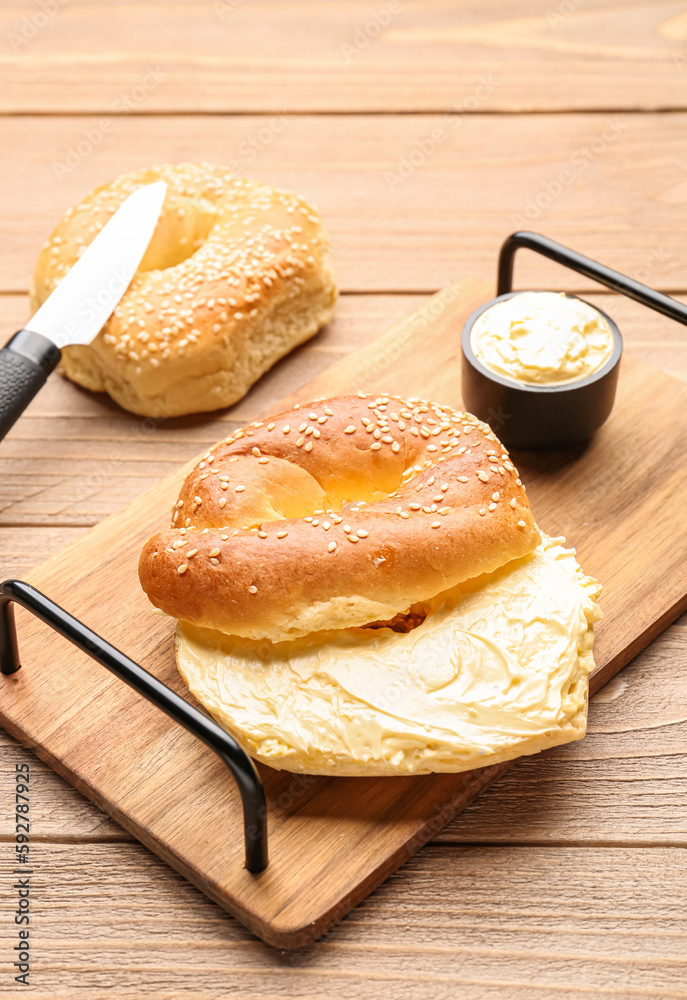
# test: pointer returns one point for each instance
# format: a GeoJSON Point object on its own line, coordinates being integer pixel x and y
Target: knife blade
{"type": "Point", "coordinates": [81, 304]}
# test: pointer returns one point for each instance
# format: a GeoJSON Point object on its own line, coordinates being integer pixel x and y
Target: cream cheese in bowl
{"type": "Point", "coordinates": [540, 367]}
{"type": "Point", "coordinates": [542, 338]}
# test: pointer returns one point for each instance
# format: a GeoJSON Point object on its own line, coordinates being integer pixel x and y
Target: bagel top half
{"type": "Point", "coordinates": [336, 514]}
{"type": "Point", "coordinates": [237, 274]}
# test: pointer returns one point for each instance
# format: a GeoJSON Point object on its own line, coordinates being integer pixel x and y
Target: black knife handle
{"type": "Point", "coordinates": [25, 363]}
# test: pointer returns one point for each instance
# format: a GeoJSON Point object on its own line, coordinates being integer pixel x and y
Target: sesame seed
{"type": "Point", "coordinates": [222, 501]}
{"type": "Point", "coordinates": [240, 489]}
{"type": "Point", "coordinates": [214, 552]}
{"type": "Point", "coordinates": [270, 427]}
{"type": "Point", "coordinates": [492, 506]}
{"type": "Point", "coordinates": [349, 430]}
{"type": "Point", "coordinates": [514, 502]}
{"type": "Point", "coordinates": [256, 452]}
{"type": "Point", "coordinates": [308, 446]}
{"type": "Point", "coordinates": [521, 524]}
{"type": "Point", "coordinates": [285, 429]}
{"type": "Point", "coordinates": [191, 552]}
{"type": "Point", "coordinates": [438, 498]}
{"type": "Point", "coordinates": [263, 461]}
{"type": "Point", "coordinates": [482, 511]}
{"type": "Point", "coordinates": [444, 510]}
{"type": "Point", "coordinates": [215, 562]}
{"type": "Point", "coordinates": [414, 506]}
{"type": "Point", "coordinates": [351, 538]}
{"type": "Point", "coordinates": [496, 496]}
{"type": "Point", "coordinates": [395, 446]}
{"type": "Point", "coordinates": [519, 482]}
{"type": "Point", "coordinates": [182, 568]}
{"type": "Point", "coordinates": [375, 446]}
{"type": "Point", "coordinates": [300, 442]}
{"type": "Point", "coordinates": [282, 534]}
{"type": "Point", "coordinates": [483, 476]}
{"type": "Point", "coordinates": [252, 589]}
{"type": "Point", "coordinates": [462, 479]}
{"type": "Point", "coordinates": [436, 524]}
{"type": "Point", "coordinates": [362, 533]}
{"type": "Point", "coordinates": [331, 546]}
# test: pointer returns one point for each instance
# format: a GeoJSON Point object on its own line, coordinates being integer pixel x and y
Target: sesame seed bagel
{"type": "Point", "coordinates": [236, 275]}
{"type": "Point", "coordinates": [336, 514]}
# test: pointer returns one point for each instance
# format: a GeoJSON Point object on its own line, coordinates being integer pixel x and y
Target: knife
{"type": "Point", "coordinates": [81, 304]}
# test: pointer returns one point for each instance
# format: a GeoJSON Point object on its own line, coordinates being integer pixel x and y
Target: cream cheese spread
{"type": "Point", "coordinates": [497, 669]}
{"type": "Point", "coordinates": [542, 338]}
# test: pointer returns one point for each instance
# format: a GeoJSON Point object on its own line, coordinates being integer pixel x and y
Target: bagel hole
{"type": "Point", "coordinates": [404, 622]}
{"type": "Point", "coordinates": [178, 236]}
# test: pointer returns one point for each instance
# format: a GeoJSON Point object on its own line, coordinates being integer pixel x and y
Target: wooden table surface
{"type": "Point", "coordinates": [425, 131]}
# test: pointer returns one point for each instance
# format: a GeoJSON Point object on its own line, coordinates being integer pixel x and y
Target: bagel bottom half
{"type": "Point", "coordinates": [492, 669]}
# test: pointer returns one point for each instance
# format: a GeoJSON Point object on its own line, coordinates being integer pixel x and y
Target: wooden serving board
{"type": "Point", "coordinates": [620, 501]}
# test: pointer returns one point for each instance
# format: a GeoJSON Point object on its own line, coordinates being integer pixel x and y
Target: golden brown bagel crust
{"type": "Point", "coordinates": [270, 538]}
{"type": "Point", "coordinates": [235, 276]}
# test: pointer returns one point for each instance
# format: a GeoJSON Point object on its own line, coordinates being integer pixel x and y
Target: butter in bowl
{"type": "Point", "coordinates": [540, 367]}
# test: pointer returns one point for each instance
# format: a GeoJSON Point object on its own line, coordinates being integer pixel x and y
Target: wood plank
{"type": "Point", "coordinates": [69, 429]}
{"type": "Point", "coordinates": [623, 784]}
{"type": "Point", "coordinates": [22, 549]}
{"type": "Point", "coordinates": [482, 923]}
{"type": "Point", "coordinates": [398, 56]}
{"type": "Point", "coordinates": [359, 317]}
{"type": "Point", "coordinates": [644, 590]}
{"type": "Point", "coordinates": [491, 174]}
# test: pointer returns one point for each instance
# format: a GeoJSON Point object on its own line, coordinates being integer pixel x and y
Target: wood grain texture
{"type": "Point", "coordinates": [67, 428]}
{"type": "Point", "coordinates": [384, 821]}
{"type": "Point", "coordinates": [623, 784]}
{"type": "Point", "coordinates": [418, 55]}
{"type": "Point", "coordinates": [106, 914]}
{"type": "Point", "coordinates": [413, 228]}
{"type": "Point", "coordinates": [481, 923]}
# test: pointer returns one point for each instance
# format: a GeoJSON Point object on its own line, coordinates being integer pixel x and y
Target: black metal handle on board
{"type": "Point", "coordinates": [589, 268]}
{"type": "Point", "coordinates": [239, 763]}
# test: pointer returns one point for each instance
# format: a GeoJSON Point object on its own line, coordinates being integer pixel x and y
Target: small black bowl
{"type": "Point", "coordinates": [539, 417]}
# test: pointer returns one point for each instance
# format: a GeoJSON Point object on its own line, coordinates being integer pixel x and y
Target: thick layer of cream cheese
{"type": "Point", "coordinates": [542, 338]}
{"type": "Point", "coordinates": [498, 669]}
